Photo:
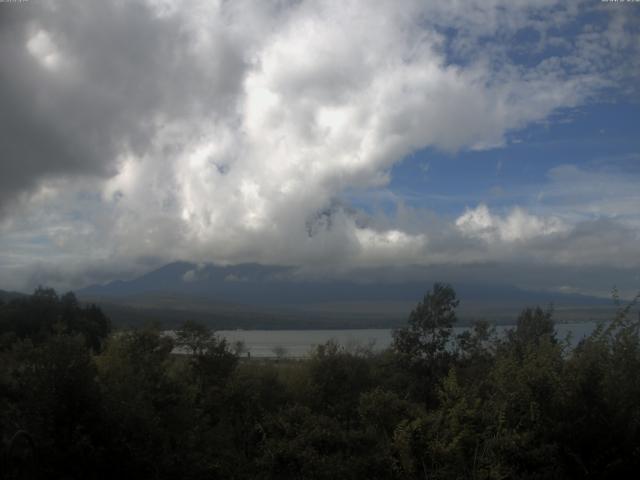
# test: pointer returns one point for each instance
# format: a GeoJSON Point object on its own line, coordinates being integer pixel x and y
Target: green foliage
{"type": "Point", "coordinates": [422, 347]}
{"type": "Point", "coordinates": [45, 313]}
{"type": "Point", "coordinates": [430, 326]}
{"type": "Point", "coordinates": [302, 444]}
{"type": "Point", "coordinates": [56, 400]}
{"type": "Point", "coordinates": [600, 432]}
{"type": "Point", "coordinates": [210, 358]}
{"type": "Point", "coordinates": [331, 369]}
{"type": "Point", "coordinates": [477, 405]}
{"type": "Point", "coordinates": [143, 403]}
{"type": "Point", "coordinates": [534, 326]}
{"type": "Point", "coordinates": [383, 410]}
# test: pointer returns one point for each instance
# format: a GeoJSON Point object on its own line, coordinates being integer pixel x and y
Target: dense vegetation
{"type": "Point", "coordinates": [77, 401]}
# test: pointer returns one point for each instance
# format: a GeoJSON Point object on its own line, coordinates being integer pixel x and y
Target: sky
{"type": "Point", "coordinates": [480, 140]}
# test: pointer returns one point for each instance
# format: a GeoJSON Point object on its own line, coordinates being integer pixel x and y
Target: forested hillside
{"type": "Point", "coordinates": [77, 401]}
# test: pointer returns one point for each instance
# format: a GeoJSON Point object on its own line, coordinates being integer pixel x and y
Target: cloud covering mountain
{"type": "Point", "coordinates": [137, 133]}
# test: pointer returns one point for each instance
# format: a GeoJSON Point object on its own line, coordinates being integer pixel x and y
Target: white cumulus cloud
{"type": "Point", "coordinates": [517, 225]}
{"type": "Point", "coordinates": [229, 131]}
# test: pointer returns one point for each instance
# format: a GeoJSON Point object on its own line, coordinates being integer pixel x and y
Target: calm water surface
{"type": "Point", "coordinates": [298, 343]}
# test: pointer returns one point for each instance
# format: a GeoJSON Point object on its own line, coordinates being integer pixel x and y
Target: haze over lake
{"type": "Point", "coordinates": [299, 343]}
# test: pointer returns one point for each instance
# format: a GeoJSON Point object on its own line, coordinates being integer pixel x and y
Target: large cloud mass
{"type": "Point", "coordinates": [139, 132]}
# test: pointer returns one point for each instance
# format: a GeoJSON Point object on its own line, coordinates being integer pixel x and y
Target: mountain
{"type": "Point", "coordinates": [219, 283]}
{"type": "Point", "coordinates": [259, 296]}
{"type": "Point", "coordinates": [6, 296]}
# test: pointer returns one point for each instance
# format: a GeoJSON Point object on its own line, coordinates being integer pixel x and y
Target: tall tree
{"type": "Point", "coordinates": [422, 346]}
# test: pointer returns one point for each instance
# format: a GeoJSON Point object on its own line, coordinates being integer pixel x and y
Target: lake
{"type": "Point", "coordinates": [298, 343]}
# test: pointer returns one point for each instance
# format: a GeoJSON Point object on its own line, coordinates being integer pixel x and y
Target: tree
{"type": "Point", "coordinates": [303, 444]}
{"type": "Point", "coordinates": [430, 325]}
{"type": "Point", "coordinates": [279, 351]}
{"type": "Point", "coordinates": [148, 412]}
{"type": "Point", "coordinates": [337, 378]}
{"type": "Point", "coordinates": [45, 313]}
{"type": "Point", "coordinates": [600, 427]}
{"type": "Point", "coordinates": [211, 360]}
{"type": "Point", "coordinates": [422, 346]}
{"type": "Point", "coordinates": [193, 338]}
{"type": "Point", "coordinates": [59, 401]}
{"type": "Point", "coordinates": [534, 325]}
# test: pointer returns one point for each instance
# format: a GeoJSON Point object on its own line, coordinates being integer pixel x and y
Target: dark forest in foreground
{"type": "Point", "coordinates": [77, 401]}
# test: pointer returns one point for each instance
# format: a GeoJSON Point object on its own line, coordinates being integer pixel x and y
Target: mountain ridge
{"type": "Point", "coordinates": [276, 293]}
